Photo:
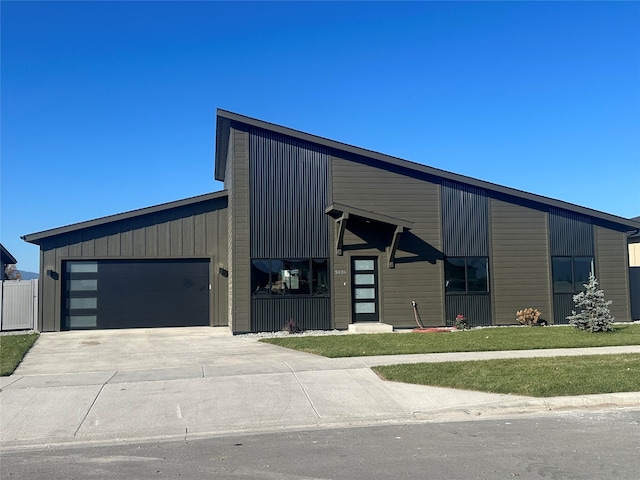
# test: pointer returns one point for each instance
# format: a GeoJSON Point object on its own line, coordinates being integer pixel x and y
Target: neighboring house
{"type": "Point", "coordinates": [5, 259]}
{"type": "Point", "coordinates": [328, 235]}
{"type": "Point", "coordinates": [634, 246]}
{"type": "Point", "coordinates": [634, 271]}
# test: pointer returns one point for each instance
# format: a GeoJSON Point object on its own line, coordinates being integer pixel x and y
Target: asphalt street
{"type": "Point", "coordinates": [587, 444]}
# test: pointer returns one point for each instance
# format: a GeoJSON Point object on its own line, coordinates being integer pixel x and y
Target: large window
{"type": "Point", "coordinates": [571, 273]}
{"type": "Point", "coordinates": [466, 274]}
{"type": "Point", "coordinates": [302, 277]}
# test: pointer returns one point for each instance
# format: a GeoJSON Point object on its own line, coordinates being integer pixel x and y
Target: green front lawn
{"type": "Point", "coordinates": [12, 349]}
{"type": "Point", "coordinates": [482, 339]}
{"type": "Point", "coordinates": [534, 377]}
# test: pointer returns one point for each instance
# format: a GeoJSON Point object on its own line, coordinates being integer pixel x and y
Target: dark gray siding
{"type": "Point", "coordinates": [612, 270]}
{"type": "Point", "coordinates": [570, 233]}
{"type": "Point", "coordinates": [465, 232]}
{"type": "Point", "coordinates": [477, 309]}
{"type": "Point", "coordinates": [634, 288]}
{"type": "Point", "coordinates": [465, 223]}
{"type": "Point", "coordinates": [289, 193]}
{"type": "Point", "coordinates": [240, 263]}
{"type": "Point", "coordinates": [418, 273]}
{"type": "Point", "coordinates": [562, 307]}
{"type": "Point", "coordinates": [228, 185]}
{"type": "Point", "coordinates": [272, 314]}
{"type": "Point", "coordinates": [520, 264]}
{"type": "Point", "coordinates": [194, 231]}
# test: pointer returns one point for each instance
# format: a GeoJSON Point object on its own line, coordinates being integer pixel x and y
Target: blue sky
{"type": "Point", "coordinates": [109, 107]}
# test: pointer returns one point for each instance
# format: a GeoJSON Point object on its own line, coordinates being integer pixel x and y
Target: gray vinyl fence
{"type": "Point", "coordinates": [18, 305]}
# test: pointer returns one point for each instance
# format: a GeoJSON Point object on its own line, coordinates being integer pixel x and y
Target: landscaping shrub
{"type": "Point", "coordinates": [529, 316]}
{"type": "Point", "coordinates": [461, 323]}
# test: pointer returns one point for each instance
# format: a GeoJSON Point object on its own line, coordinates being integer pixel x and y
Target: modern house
{"type": "Point", "coordinates": [328, 235]}
{"type": "Point", "coordinates": [634, 270]}
{"type": "Point", "coordinates": [634, 246]}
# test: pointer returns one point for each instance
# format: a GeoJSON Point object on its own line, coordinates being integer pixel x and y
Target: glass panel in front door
{"type": "Point", "coordinates": [364, 288]}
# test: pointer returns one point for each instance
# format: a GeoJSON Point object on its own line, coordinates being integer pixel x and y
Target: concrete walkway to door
{"type": "Point", "coordinates": [122, 385]}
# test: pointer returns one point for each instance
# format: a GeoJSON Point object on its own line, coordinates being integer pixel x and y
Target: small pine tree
{"type": "Point", "coordinates": [593, 312]}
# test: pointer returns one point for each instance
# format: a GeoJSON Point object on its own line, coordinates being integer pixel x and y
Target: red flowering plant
{"type": "Point", "coordinates": [461, 322]}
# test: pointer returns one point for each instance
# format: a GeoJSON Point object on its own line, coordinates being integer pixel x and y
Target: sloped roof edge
{"type": "Point", "coordinates": [7, 258]}
{"type": "Point", "coordinates": [35, 237]}
{"type": "Point", "coordinates": [225, 117]}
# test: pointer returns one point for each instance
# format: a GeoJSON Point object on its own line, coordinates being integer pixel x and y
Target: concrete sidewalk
{"type": "Point", "coordinates": [136, 384]}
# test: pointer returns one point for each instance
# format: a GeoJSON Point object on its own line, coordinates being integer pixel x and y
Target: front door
{"type": "Point", "coordinates": [364, 287]}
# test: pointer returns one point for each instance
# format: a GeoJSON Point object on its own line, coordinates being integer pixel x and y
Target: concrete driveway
{"type": "Point", "coordinates": [181, 382]}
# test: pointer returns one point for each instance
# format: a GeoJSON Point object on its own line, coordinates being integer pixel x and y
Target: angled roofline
{"type": "Point", "coordinates": [224, 122]}
{"type": "Point", "coordinates": [35, 237]}
{"type": "Point", "coordinates": [636, 233]}
{"type": "Point", "coordinates": [7, 258]}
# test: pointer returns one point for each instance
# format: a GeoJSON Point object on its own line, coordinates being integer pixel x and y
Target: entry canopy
{"type": "Point", "coordinates": [342, 213]}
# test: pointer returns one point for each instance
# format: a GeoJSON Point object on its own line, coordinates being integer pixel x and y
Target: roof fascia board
{"type": "Point", "coordinates": [34, 237]}
{"type": "Point", "coordinates": [7, 258]}
{"type": "Point", "coordinates": [417, 167]}
{"type": "Point", "coordinates": [358, 212]}
{"type": "Point", "coordinates": [223, 131]}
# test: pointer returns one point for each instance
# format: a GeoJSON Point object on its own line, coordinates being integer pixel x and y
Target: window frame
{"type": "Point", "coordinates": [572, 259]}
{"type": "Point", "coordinates": [467, 290]}
{"type": "Point", "coordinates": [311, 269]}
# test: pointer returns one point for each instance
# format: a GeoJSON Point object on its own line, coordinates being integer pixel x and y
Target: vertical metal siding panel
{"type": "Point", "coordinates": [164, 239]}
{"type": "Point", "coordinates": [113, 244]}
{"type": "Point", "coordinates": [562, 306]}
{"type": "Point", "coordinates": [288, 194]}
{"type": "Point", "coordinates": [126, 242]}
{"type": "Point", "coordinates": [151, 240]}
{"type": "Point", "coordinates": [570, 233]}
{"type": "Point", "coordinates": [464, 220]}
{"type": "Point", "coordinates": [188, 243]}
{"type": "Point", "coordinates": [477, 309]}
{"type": "Point", "coordinates": [273, 314]}
{"type": "Point", "coordinates": [75, 244]}
{"type": "Point", "coordinates": [289, 191]}
{"type": "Point", "coordinates": [88, 245]}
{"type": "Point", "coordinates": [176, 236]}
{"type": "Point", "coordinates": [139, 240]}
{"type": "Point", "coordinates": [200, 235]}
{"type": "Point", "coordinates": [101, 245]}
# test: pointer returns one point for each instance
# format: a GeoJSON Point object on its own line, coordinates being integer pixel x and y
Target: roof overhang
{"type": "Point", "coordinates": [342, 213]}
{"type": "Point", "coordinates": [6, 257]}
{"type": "Point", "coordinates": [336, 210]}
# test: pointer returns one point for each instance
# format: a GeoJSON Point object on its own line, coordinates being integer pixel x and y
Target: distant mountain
{"type": "Point", "coordinates": [28, 275]}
